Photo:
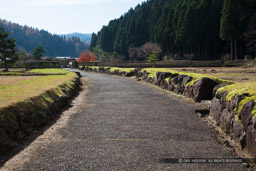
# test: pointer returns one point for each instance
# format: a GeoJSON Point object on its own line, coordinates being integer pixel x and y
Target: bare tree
{"type": "Point", "coordinates": [141, 53]}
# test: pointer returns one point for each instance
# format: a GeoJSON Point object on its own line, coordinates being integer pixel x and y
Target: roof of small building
{"type": "Point", "coordinates": [63, 57]}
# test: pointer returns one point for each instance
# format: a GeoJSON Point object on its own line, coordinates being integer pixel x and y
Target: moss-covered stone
{"type": "Point", "coordinates": [248, 89]}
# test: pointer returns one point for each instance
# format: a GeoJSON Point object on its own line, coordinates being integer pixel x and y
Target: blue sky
{"type": "Point", "coordinates": [65, 16]}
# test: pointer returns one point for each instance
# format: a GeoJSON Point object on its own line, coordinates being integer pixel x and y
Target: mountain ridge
{"type": "Point", "coordinates": [27, 38]}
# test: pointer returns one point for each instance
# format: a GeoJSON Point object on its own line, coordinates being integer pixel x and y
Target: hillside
{"type": "Point", "coordinates": [83, 37]}
{"type": "Point", "coordinates": [201, 29]}
{"type": "Point", "coordinates": [27, 38]}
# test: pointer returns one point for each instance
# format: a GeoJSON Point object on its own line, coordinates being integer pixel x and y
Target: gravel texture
{"type": "Point", "coordinates": [119, 124]}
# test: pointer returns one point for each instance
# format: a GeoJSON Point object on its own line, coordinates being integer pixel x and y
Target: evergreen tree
{"type": "Point", "coordinates": [38, 53]}
{"type": "Point", "coordinates": [250, 36]}
{"type": "Point", "coordinates": [93, 41]}
{"type": "Point", "coordinates": [233, 22]}
{"type": "Point", "coordinates": [7, 48]}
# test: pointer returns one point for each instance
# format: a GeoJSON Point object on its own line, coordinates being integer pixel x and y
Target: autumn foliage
{"type": "Point", "coordinates": [87, 56]}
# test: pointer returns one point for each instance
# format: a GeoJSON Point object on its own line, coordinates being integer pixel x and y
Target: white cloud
{"type": "Point", "coordinates": [69, 2]}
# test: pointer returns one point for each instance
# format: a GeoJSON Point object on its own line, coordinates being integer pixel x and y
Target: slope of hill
{"type": "Point", "coordinates": [83, 37]}
{"type": "Point", "coordinates": [27, 38]}
{"type": "Point", "coordinates": [200, 28]}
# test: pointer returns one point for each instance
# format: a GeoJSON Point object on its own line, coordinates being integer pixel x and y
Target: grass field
{"type": "Point", "coordinates": [18, 88]}
{"type": "Point", "coordinates": [237, 74]}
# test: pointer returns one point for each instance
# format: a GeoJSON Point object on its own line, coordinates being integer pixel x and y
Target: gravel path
{"type": "Point", "coordinates": [119, 124]}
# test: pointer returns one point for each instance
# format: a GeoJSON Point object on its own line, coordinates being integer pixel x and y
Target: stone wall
{"type": "Point", "coordinates": [241, 127]}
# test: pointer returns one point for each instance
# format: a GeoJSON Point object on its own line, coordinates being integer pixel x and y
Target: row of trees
{"type": "Point", "coordinates": [202, 29]}
{"type": "Point", "coordinates": [28, 38]}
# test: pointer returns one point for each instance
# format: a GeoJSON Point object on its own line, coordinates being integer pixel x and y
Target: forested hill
{"type": "Point", "coordinates": [27, 38]}
{"type": "Point", "coordinates": [204, 29]}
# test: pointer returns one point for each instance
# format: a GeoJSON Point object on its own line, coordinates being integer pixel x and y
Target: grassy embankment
{"type": "Point", "coordinates": [16, 89]}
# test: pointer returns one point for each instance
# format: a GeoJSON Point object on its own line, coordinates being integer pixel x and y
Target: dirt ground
{"type": "Point", "coordinates": [232, 74]}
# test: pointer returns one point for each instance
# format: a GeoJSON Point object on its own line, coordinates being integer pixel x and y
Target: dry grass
{"type": "Point", "coordinates": [238, 75]}
{"type": "Point", "coordinates": [18, 88]}
{"type": "Point", "coordinates": [12, 80]}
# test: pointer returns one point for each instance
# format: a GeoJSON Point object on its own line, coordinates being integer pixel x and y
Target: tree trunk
{"type": "Point", "coordinates": [236, 56]}
{"type": "Point", "coordinates": [214, 51]}
{"type": "Point", "coordinates": [5, 64]}
{"type": "Point", "coordinates": [205, 51]}
{"type": "Point", "coordinates": [198, 51]}
{"type": "Point", "coordinates": [231, 53]}
{"type": "Point", "coordinates": [202, 48]}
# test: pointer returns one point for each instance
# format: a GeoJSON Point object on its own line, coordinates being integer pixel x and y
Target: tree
{"type": "Point", "coordinates": [7, 48]}
{"type": "Point", "coordinates": [93, 41]}
{"type": "Point", "coordinates": [114, 57]}
{"type": "Point", "coordinates": [250, 36]}
{"type": "Point", "coordinates": [22, 56]}
{"type": "Point", "coordinates": [87, 56]}
{"type": "Point", "coordinates": [38, 53]}
{"type": "Point", "coordinates": [154, 56]}
{"type": "Point", "coordinates": [233, 22]}
{"type": "Point", "coordinates": [141, 53]}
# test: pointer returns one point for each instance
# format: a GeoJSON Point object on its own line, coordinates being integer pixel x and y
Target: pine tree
{"type": "Point", "coordinates": [7, 48]}
{"type": "Point", "coordinates": [38, 53]}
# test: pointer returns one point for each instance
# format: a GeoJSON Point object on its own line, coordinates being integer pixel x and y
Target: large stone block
{"type": "Point", "coordinates": [239, 134]}
{"type": "Point", "coordinates": [251, 141]}
{"type": "Point", "coordinates": [203, 89]}
{"type": "Point", "coordinates": [215, 110]}
{"type": "Point", "coordinates": [246, 114]}
{"type": "Point", "coordinates": [218, 87]}
{"type": "Point", "coordinates": [226, 121]}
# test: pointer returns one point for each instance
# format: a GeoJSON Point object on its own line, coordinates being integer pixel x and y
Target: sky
{"type": "Point", "coordinates": [65, 16]}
